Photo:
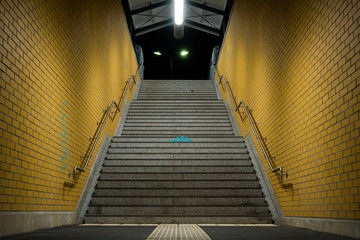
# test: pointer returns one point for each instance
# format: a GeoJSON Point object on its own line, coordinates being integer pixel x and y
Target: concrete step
{"type": "Point", "coordinates": [178, 176]}
{"type": "Point", "coordinates": [181, 124]}
{"type": "Point", "coordinates": [176, 102]}
{"type": "Point", "coordinates": [178, 117]}
{"type": "Point", "coordinates": [177, 94]}
{"type": "Point", "coordinates": [176, 210]}
{"type": "Point", "coordinates": [188, 133]}
{"type": "Point", "coordinates": [177, 184]}
{"type": "Point", "coordinates": [156, 192]}
{"type": "Point", "coordinates": [177, 131]}
{"type": "Point", "coordinates": [169, 85]}
{"type": "Point", "coordinates": [172, 85]}
{"type": "Point", "coordinates": [173, 156]}
{"type": "Point", "coordinates": [186, 90]}
{"type": "Point", "coordinates": [179, 121]}
{"type": "Point", "coordinates": [177, 169]}
{"type": "Point", "coordinates": [172, 97]}
{"type": "Point", "coordinates": [168, 81]}
{"type": "Point", "coordinates": [188, 201]}
{"type": "Point", "coordinates": [177, 128]}
{"type": "Point", "coordinates": [180, 107]}
{"type": "Point", "coordinates": [183, 89]}
{"type": "Point", "coordinates": [176, 150]}
{"type": "Point", "coordinates": [177, 110]}
{"type": "Point", "coordinates": [156, 88]}
{"type": "Point", "coordinates": [179, 162]}
{"type": "Point", "coordinates": [188, 113]}
{"type": "Point", "coordinates": [227, 139]}
{"type": "Point", "coordinates": [165, 145]}
{"type": "Point", "coordinates": [178, 91]}
{"type": "Point", "coordinates": [184, 219]}
{"type": "Point", "coordinates": [175, 83]}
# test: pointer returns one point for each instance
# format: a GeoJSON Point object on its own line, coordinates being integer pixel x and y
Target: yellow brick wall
{"type": "Point", "coordinates": [297, 65]}
{"type": "Point", "coordinates": [62, 63]}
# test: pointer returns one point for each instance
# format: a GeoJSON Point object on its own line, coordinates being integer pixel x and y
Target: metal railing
{"type": "Point", "coordinates": [223, 82]}
{"type": "Point", "coordinates": [129, 83]}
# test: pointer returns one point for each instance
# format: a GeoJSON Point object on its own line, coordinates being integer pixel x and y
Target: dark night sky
{"type": "Point", "coordinates": [194, 66]}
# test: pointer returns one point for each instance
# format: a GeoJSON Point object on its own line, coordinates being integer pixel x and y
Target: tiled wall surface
{"type": "Point", "coordinates": [297, 65]}
{"type": "Point", "coordinates": [62, 63]}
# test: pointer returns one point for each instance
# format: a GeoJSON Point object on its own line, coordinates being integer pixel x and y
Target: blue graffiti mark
{"type": "Point", "coordinates": [181, 139]}
{"type": "Point", "coordinates": [64, 158]}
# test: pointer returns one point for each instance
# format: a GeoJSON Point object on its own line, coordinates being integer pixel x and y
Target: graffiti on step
{"type": "Point", "coordinates": [181, 139]}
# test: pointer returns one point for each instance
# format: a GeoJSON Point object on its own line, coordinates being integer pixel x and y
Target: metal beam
{"type": "Point", "coordinates": [150, 7]}
{"type": "Point", "coordinates": [204, 7]}
{"type": "Point", "coordinates": [202, 27]}
{"type": "Point", "coordinates": [154, 27]}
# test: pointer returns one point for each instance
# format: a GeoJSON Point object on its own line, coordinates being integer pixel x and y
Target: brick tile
{"type": "Point", "coordinates": [38, 82]}
{"type": "Point", "coordinates": [318, 95]}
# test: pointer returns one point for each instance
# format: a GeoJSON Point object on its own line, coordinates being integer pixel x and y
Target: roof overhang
{"type": "Point", "coordinates": [202, 15]}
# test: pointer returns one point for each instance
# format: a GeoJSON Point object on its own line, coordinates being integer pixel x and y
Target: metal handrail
{"type": "Point", "coordinates": [236, 109]}
{"type": "Point", "coordinates": [101, 125]}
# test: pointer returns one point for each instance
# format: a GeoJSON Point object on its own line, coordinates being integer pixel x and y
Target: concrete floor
{"type": "Point", "coordinates": [267, 233]}
{"type": "Point", "coordinates": [235, 232]}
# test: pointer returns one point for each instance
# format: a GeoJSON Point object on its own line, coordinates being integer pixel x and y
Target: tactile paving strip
{"type": "Point", "coordinates": [178, 232]}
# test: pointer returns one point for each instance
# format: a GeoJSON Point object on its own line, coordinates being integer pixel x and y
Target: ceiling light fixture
{"type": "Point", "coordinates": [184, 53]}
{"type": "Point", "coordinates": [179, 12]}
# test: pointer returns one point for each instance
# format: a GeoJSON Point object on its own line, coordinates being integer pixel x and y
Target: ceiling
{"type": "Point", "coordinates": [203, 15]}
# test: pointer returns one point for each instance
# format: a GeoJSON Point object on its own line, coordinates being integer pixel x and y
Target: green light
{"type": "Point", "coordinates": [184, 53]}
{"type": "Point", "coordinates": [157, 53]}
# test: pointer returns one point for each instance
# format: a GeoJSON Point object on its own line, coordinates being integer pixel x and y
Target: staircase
{"type": "Point", "coordinates": [147, 178]}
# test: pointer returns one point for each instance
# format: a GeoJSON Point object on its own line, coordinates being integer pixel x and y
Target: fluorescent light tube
{"type": "Point", "coordinates": [179, 12]}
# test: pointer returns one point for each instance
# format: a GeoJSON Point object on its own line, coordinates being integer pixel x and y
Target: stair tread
{"type": "Point", "coordinates": [189, 215]}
